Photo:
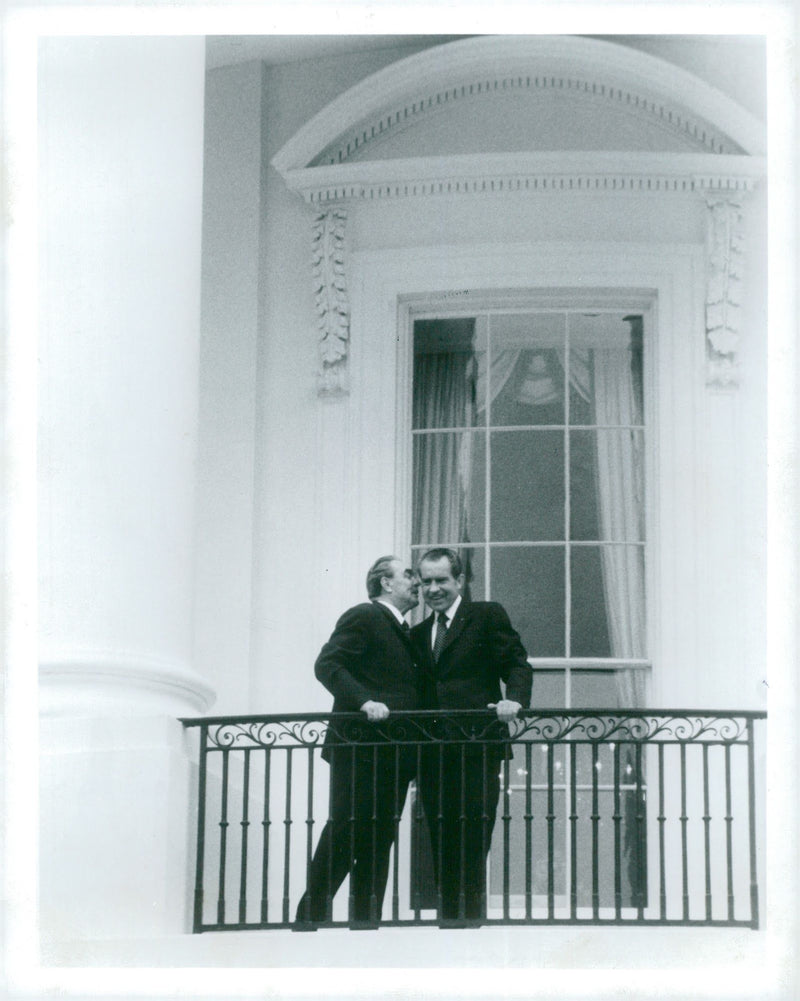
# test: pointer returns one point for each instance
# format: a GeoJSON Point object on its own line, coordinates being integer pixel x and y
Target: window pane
{"type": "Point", "coordinates": [608, 601]}
{"type": "Point", "coordinates": [474, 561]}
{"type": "Point", "coordinates": [583, 500]}
{"type": "Point", "coordinates": [527, 369]}
{"type": "Point", "coordinates": [589, 635]}
{"type": "Point", "coordinates": [527, 485]}
{"type": "Point", "coordinates": [594, 689]}
{"type": "Point", "coordinates": [549, 689]}
{"type": "Point", "coordinates": [607, 485]}
{"type": "Point", "coordinates": [529, 583]}
{"type": "Point", "coordinates": [449, 488]}
{"type": "Point", "coordinates": [445, 373]}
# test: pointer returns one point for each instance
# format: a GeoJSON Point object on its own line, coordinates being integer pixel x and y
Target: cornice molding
{"type": "Point", "coordinates": [493, 173]}
{"type": "Point", "coordinates": [438, 75]}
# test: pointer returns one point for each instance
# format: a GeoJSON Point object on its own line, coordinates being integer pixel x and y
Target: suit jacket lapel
{"type": "Point", "coordinates": [393, 622]}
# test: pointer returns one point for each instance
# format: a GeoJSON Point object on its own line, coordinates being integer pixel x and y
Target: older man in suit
{"type": "Point", "coordinates": [368, 664]}
{"type": "Point", "coordinates": [466, 649]}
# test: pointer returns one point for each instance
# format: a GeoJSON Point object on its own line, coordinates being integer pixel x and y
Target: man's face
{"type": "Point", "coordinates": [439, 587]}
{"type": "Point", "coordinates": [404, 585]}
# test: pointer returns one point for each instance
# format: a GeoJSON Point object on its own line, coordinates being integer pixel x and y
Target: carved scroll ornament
{"type": "Point", "coordinates": [724, 264]}
{"type": "Point", "coordinates": [333, 308]}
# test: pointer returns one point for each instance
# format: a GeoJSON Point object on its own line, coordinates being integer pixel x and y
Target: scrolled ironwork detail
{"type": "Point", "coordinates": [284, 733]}
{"type": "Point", "coordinates": [633, 728]}
{"type": "Point", "coordinates": [479, 728]}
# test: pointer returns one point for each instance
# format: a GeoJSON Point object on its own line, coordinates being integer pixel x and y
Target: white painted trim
{"type": "Point", "coordinates": [491, 173]}
{"type": "Point", "coordinates": [83, 683]}
{"type": "Point", "coordinates": [419, 77]}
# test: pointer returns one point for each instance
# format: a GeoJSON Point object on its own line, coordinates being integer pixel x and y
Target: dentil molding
{"type": "Point", "coordinates": [527, 172]}
{"type": "Point", "coordinates": [589, 68]}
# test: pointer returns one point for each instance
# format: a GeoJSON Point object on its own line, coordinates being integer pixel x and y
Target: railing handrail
{"type": "Point", "coordinates": [313, 717]}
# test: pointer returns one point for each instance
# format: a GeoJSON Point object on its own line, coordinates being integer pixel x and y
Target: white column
{"type": "Point", "coordinates": [121, 155]}
{"type": "Point", "coordinates": [121, 147]}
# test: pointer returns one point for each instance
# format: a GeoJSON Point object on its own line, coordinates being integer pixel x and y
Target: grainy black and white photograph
{"type": "Point", "coordinates": [399, 539]}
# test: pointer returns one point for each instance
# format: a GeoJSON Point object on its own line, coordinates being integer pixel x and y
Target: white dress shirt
{"type": "Point", "coordinates": [395, 611]}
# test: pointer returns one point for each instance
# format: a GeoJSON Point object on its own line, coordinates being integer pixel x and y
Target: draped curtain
{"type": "Point", "coordinates": [620, 496]}
{"type": "Point", "coordinates": [444, 397]}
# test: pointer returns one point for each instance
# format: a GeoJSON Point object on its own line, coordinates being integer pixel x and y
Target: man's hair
{"type": "Point", "coordinates": [381, 568]}
{"type": "Point", "coordinates": [452, 557]}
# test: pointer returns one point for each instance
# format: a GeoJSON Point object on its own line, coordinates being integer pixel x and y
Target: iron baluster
{"type": "Point", "coordinates": [550, 834]}
{"type": "Point", "coordinates": [528, 833]}
{"type": "Point", "coordinates": [373, 875]}
{"type": "Point", "coordinates": [265, 826]}
{"type": "Point", "coordinates": [462, 833]}
{"type": "Point", "coordinates": [197, 921]}
{"type": "Point", "coordinates": [396, 828]}
{"type": "Point", "coordinates": [287, 834]}
{"type": "Point", "coordinates": [662, 819]}
{"type": "Point", "coordinates": [223, 838]}
{"type": "Point", "coordinates": [617, 837]}
{"type": "Point", "coordinates": [418, 820]}
{"type": "Point", "coordinates": [484, 824]}
{"type": "Point", "coordinates": [572, 751]}
{"type": "Point", "coordinates": [707, 832]}
{"type": "Point", "coordinates": [640, 859]}
{"type": "Point", "coordinates": [729, 831]}
{"type": "Point", "coordinates": [309, 826]}
{"type": "Point", "coordinates": [751, 799]}
{"type": "Point", "coordinates": [684, 821]}
{"type": "Point", "coordinates": [245, 824]}
{"type": "Point", "coordinates": [595, 831]}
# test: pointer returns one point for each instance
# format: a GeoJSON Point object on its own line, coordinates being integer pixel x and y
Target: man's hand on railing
{"type": "Point", "coordinates": [376, 711]}
{"type": "Point", "coordinates": [507, 709]}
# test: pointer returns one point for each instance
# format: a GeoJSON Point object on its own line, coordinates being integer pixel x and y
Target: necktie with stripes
{"type": "Point", "coordinates": [441, 634]}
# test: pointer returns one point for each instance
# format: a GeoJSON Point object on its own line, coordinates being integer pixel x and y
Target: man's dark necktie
{"type": "Point", "coordinates": [441, 635]}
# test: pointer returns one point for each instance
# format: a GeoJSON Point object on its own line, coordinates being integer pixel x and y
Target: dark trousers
{"type": "Point", "coordinates": [367, 792]}
{"type": "Point", "coordinates": [459, 786]}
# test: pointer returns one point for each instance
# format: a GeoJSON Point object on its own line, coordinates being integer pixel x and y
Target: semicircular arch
{"type": "Point", "coordinates": [388, 103]}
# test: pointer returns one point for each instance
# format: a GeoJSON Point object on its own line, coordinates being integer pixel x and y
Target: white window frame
{"type": "Point", "coordinates": [561, 302]}
{"type": "Point", "coordinates": [373, 507]}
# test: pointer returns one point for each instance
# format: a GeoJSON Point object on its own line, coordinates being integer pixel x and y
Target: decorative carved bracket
{"type": "Point", "coordinates": [333, 308]}
{"type": "Point", "coordinates": [724, 268]}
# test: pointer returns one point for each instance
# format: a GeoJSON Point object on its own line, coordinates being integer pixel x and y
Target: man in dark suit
{"type": "Point", "coordinates": [465, 650]}
{"type": "Point", "coordinates": [368, 664]}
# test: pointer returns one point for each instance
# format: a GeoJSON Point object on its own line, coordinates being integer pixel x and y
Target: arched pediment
{"type": "Point", "coordinates": [495, 94]}
{"type": "Point", "coordinates": [519, 115]}
{"type": "Point", "coordinates": [535, 117]}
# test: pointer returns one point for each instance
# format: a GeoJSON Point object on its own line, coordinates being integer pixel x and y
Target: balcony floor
{"type": "Point", "coordinates": [541, 947]}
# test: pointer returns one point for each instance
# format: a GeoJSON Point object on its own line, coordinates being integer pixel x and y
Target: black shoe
{"type": "Point", "coordinates": [300, 924]}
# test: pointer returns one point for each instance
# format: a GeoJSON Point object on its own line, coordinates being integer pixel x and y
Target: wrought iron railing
{"type": "Point", "coordinates": [644, 817]}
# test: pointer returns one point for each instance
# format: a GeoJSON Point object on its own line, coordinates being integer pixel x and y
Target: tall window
{"type": "Point", "coordinates": [528, 457]}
